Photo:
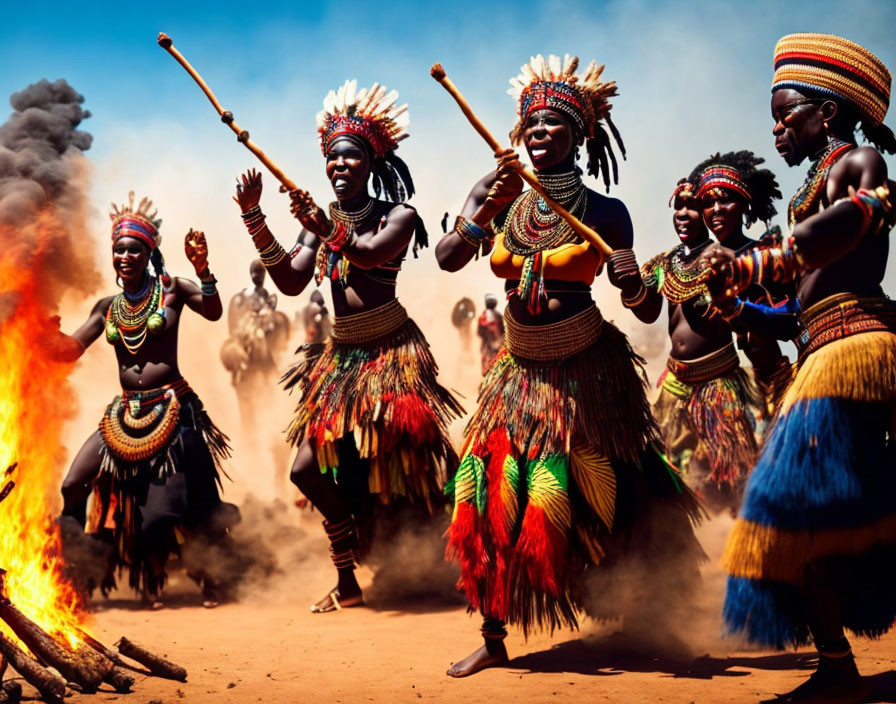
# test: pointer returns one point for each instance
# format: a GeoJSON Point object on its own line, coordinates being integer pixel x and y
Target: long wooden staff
{"type": "Point", "coordinates": [581, 228]}
{"type": "Point", "coordinates": [226, 116]}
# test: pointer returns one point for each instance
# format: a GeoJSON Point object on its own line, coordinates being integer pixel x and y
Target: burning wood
{"type": "Point", "coordinates": [155, 664]}
{"type": "Point", "coordinates": [51, 687]}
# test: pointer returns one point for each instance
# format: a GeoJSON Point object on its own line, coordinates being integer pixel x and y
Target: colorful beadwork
{"type": "Point", "coordinates": [130, 318]}
{"type": "Point", "coordinates": [808, 196]}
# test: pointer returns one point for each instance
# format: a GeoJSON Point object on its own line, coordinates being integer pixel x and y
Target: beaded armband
{"type": "Point", "coordinates": [874, 204]}
{"type": "Point", "coordinates": [253, 219]}
{"type": "Point", "coordinates": [272, 254]}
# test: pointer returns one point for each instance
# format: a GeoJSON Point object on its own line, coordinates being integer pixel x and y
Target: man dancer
{"type": "Point", "coordinates": [814, 548]}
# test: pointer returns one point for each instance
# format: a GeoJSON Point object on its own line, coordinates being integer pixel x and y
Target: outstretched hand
{"type": "Point", "coordinates": [196, 249]}
{"type": "Point", "coordinates": [248, 190]}
{"type": "Point", "coordinates": [309, 213]}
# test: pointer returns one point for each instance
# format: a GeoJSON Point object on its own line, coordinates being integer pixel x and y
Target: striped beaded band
{"type": "Point", "coordinates": [547, 343]}
{"type": "Point", "coordinates": [711, 366]}
{"type": "Point", "coordinates": [721, 176]}
{"type": "Point", "coordinates": [834, 66]}
{"type": "Point", "coordinates": [139, 228]}
{"type": "Point", "coordinates": [370, 325]}
{"type": "Point", "coordinates": [556, 95]}
{"type": "Point", "coordinates": [685, 190]}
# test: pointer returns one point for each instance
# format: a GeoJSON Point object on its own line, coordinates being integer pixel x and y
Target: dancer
{"type": "Point", "coordinates": [814, 548]}
{"type": "Point", "coordinates": [706, 403]}
{"type": "Point", "coordinates": [560, 470]}
{"type": "Point", "coordinates": [371, 419]}
{"type": "Point", "coordinates": [734, 192]}
{"type": "Point", "coordinates": [490, 329]}
{"type": "Point", "coordinates": [159, 453]}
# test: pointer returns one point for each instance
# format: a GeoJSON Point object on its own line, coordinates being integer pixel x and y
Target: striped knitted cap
{"type": "Point", "coordinates": [834, 66]}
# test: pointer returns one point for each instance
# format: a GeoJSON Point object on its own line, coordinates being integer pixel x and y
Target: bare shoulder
{"type": "Point", "coordinates": [862, 167]}
{"type": "Point", "coordinates": [611, 219]}
{"type": "Point", "coordinates": [403, 214]}
{"type": "Point", "coordinates": [102, 305]}
{"type": "Point", "coordinates": [184, 287]}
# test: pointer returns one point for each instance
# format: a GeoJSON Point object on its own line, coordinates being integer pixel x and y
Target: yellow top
{"type": "Point", "coordinates": [568, 262]}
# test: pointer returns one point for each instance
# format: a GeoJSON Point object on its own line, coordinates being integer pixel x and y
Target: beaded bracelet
{"type": "Point", "coordinates": [208, 285]}
{"type": "Point", "coordinates": [471, 233]}
{"type": "Point", "coordinates": [637, 299]}
{"type": "Point", "coordinates": [624, 262]}
{"type": "Point", "coordinates": [251, 212]}
{"type": "Point", "coordinates": [272, 254]}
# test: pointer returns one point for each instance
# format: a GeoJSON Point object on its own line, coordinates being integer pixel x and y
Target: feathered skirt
{"type": "Point", "coordinates": [559, 463]}
{"type": "Point", "coordinates": [822, 498]}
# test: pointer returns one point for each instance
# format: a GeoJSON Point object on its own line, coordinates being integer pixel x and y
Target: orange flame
{"type": "Point", "coordinates": [35, 401]}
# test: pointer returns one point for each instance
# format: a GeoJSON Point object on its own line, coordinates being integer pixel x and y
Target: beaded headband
{"type": "Point", "coordinates": [834, 66]}
{"type": "Point", "coordinates": [369, 114]}
{"type": "Point", "coordinates": [552, 83]}
{"type": "Point", "coordinates": [685, 189]}
{"type": "Point", "coordinates": [720, 176]}
{"type": "Point", "coordinates": [139, 222]}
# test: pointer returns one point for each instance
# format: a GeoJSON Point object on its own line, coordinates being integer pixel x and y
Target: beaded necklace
{"type": "Point", "coordinates": [678, 279]}
{"type": "Point", "coordinates": [352, 218]}
{"type": "Point", "coordinates": [805, 201]}
{"type": "Point", "coordinates": [132, 316]}
{"type": "Point", "coordinates": [531, 228]}
{"type": "Point", "coordinates": [332, 265]}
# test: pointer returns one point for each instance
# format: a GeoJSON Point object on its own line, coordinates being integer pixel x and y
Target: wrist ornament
{"type": "Point", "coordinates": [637, 299]}
{"type": "Point", "coordinates": [624, 263]}
{"type": "Point", "coordinates": [254, 219]}
{"type": "Point", "coordinates": [471, 233]}
{"type": "Point", "coordinates": [271, 254]}
{"type": "Point", "coordinates": [208, 284]}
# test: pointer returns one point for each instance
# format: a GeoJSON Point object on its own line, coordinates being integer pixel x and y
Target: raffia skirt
{"type": "Point", "coordinates": [823, 493]}
{"type": "Point", "coordinates": [705, 412]}
{"type": "Point", "coordinates": [375, 381]}
{"type": "Point", "coordinates": [559, 464]}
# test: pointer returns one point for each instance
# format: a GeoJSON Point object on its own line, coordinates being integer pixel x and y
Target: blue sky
{"type": "Point", "coordinates": [693, 79]}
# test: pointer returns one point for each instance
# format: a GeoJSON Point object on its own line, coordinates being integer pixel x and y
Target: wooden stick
{"type": "Point", "coordinates": [51, 687]}
{"type": "Point", "coordinates": [581, 228]}
{"type": "Point", "coordinates": [226, 116]}
{"type": "Point", "coordinates": [158, 666]}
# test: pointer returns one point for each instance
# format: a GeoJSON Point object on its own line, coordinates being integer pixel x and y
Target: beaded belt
{"type": "Point", "coordinates": [843, 315]}
{"type": "Point", "coordinates": [711, 366]}
{"type": "Point", "coordinates": [546, 343]}
{"type": "Point", "coordinates": [139, 424]}
{"type": "Point", "coordinates": [369, 325]}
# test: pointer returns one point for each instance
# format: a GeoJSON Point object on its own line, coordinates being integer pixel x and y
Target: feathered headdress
{"type": "Point", "coordinates": [141, 222]}
{"type": "Point", "coordinates": [370, 114]}
{"type": "Point", "coordinates": [584, 99]}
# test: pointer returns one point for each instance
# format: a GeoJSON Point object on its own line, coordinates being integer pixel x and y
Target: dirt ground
{"type": "Point", "coordinates": [270, 648]}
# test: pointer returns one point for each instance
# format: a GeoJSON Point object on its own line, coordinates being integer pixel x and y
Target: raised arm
{"type": "Point", "coordinates": [489, 197]}
{"type": "Point", "coordinates": [204, 300]}
{"type": "Point", "coordinates": [290, 274]}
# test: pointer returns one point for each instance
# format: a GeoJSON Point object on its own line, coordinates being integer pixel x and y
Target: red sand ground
{"type": "Point", "coordinates": [273, 650]}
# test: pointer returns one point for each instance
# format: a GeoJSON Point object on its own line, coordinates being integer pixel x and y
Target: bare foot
{"type": "Point", "coordinates": [334, 601]}
{"type": "Point", "coordinates": [491, 654]}
{"type": "Point", "coordinates": [829, 685]}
